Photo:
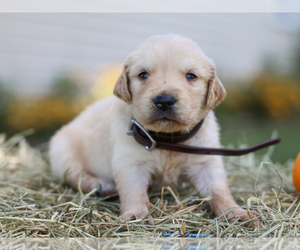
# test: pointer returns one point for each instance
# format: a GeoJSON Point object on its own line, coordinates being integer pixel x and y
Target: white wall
{"type": "Point", "coordinates": [34, 48]}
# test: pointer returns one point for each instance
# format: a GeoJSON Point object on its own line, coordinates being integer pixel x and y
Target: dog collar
{"type": "Point", "coordinates": [170, 142]}
{"type": "Point", "coordinates": [152, 140]}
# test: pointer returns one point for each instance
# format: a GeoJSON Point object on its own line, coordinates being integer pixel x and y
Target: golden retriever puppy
{"type": "Point", "coordinates": [168, 85]}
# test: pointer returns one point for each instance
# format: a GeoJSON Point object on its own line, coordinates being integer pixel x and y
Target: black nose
{"type": "Point", "coordinates": [164, 102]}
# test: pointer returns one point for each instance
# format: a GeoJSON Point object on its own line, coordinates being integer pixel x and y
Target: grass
{"type": "Point", "coordinates": [35, 204]}
{"type": "Point", "coordinates": [246, 129]}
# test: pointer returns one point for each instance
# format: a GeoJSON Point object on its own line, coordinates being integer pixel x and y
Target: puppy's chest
{"type": "Point", "coordinates": [170, 166]}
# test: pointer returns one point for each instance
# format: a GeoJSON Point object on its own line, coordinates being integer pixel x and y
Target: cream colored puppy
{"type": "Point", "coordinates": [168, 85]}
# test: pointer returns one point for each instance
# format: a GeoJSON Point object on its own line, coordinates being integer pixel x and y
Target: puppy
{"type": "Point", "coordinates": [168, 85]}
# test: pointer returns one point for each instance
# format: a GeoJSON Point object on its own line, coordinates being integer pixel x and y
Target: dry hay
{"type": "Point", "coordinates": [33, 203]}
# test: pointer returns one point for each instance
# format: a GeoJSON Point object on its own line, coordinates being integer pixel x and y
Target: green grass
{"type": "Point", "coordinates": [246, 129]}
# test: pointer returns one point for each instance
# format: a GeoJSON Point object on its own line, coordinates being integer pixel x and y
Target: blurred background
{"type": "Point", "coordinates": [53, 65]}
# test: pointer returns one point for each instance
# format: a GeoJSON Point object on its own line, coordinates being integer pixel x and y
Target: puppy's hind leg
{"type": "Point", "coordinates": [67, 162]}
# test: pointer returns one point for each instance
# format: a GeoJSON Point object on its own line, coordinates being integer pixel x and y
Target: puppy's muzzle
{"type": "Point", "coordinates": [164, 102]}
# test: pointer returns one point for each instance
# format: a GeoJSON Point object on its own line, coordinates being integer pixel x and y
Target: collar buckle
{"type": "Point", "coordinates": [153, 142]}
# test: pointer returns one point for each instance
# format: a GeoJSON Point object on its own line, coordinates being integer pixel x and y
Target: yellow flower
{"type": "Point", "coordinates": [43, 115]}
{"type": "Point", "coordinates": [279, 96]}
{"type": "Point", "coordinates": [104, 84]}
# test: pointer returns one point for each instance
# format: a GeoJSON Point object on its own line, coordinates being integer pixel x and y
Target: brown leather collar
{"type": "Point", "coordinates": [164, 137]}
{"type": "Point", "coordinates": [165, 141]}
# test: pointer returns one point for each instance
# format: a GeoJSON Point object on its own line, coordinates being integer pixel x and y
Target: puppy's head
{"type": "Point", "coordinates": [170, 84]}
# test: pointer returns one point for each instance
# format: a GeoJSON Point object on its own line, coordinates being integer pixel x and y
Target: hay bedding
{"type": "Point", "coordinates": [33, 203]}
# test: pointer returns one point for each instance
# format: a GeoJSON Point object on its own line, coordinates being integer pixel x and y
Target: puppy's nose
{"type": "Point", "coordinates": [164, 102]}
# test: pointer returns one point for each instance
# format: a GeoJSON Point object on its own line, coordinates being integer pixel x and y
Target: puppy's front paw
{"type": "Point", "coordinates": [243, 215]}
{"type": "Point", "coordinates": [137, 215]}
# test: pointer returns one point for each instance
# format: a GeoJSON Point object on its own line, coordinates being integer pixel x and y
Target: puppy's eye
{"type": "Point", "coordinates": [191, 76]}
{"type": "Point", "coordinates": [143, 75]}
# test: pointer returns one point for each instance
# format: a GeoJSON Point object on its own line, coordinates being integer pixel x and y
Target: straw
{"type": "Point", "coordinates": [34, 203]}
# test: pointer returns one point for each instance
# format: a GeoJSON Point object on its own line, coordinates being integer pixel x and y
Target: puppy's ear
{"type": "Point", "coordinates": [122, 89]}
{"type": "Point", "coordinates": [215, 91]}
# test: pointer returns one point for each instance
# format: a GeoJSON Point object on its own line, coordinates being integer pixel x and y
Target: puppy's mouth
{"type": "Point", "coordinates": [166, 119]}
